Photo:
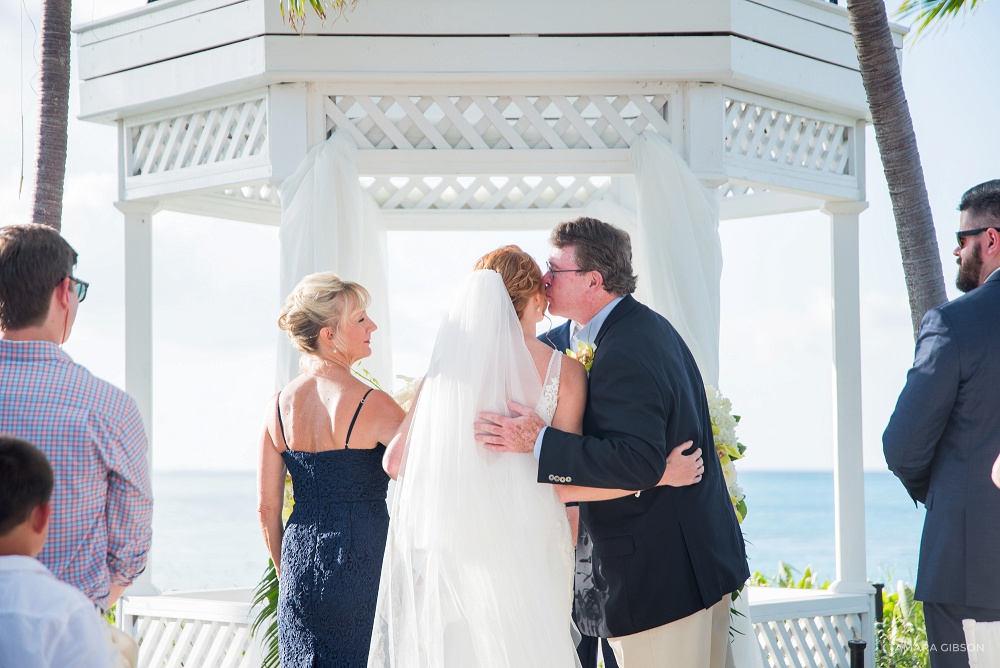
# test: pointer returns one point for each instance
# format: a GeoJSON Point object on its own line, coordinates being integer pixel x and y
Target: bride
{"type": "Point", "coordinates": [479, 563]}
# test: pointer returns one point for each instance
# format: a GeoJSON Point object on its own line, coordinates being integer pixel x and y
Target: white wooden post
{"type": "Point", "coordinates": [848, 466]}
{"type": "Point", "coordinates": [139, 332]}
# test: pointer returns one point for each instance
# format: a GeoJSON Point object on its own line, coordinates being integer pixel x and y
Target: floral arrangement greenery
{"type": "Point", "coordinates": [727, 446]}
{"type": "Point", "coordinates": [265, 594]}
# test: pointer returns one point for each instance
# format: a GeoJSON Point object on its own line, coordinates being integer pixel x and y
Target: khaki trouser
{"type": "Point", "coordinates": [700, 640]}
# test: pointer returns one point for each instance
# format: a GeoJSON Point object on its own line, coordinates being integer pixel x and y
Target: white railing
{"type": "Point", "coordinates": [211, 629]}
{"type": "Point", "coordinates": [203, 629]}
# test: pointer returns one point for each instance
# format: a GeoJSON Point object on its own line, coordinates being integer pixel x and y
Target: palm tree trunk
{"type": "Point", "coordinates": [897, 145]}
{"type": "Point", "coordinates": [53, 115]}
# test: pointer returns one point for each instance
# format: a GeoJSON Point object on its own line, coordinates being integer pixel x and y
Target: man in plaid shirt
{"type": "Point", "coordinates": [90, 430]}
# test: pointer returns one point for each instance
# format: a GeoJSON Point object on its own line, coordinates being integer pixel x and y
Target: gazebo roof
{"type": "Point", "coordinates": [219, 100]}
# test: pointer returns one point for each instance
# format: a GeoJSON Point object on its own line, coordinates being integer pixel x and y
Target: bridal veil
{"type": "Point", "coordinates": [478, 564]}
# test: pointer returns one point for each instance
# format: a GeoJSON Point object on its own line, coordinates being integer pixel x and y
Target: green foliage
{"type": "Point", "coordinates": [930, 14]}
{"type": "Point", "coordinates": [787, 577]}
{"type": "Point", "coordinates": [902, 635]}
{"type": "Point", "coordinates": [295, 11]}
{"type": "Point", "coordinates": [266, 593]}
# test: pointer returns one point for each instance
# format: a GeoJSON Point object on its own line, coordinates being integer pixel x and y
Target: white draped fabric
{"type": "Point", "coordinates": [328, 223]}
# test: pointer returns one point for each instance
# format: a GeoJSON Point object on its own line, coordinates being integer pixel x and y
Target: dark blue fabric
{"type": "Point", "coordinates": [331, 557]}
{"type": "Point", "coordinates": [941, 442]}
{"type": "Point", "coordinates": [645, 561]}
{"type": "Point", "coordinates": [558, 337]}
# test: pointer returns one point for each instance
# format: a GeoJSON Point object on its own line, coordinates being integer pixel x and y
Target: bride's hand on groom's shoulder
{"type": "Point", "coordinates": [509, 434]}
{"type": "Point", "coordinates": [683, 470]}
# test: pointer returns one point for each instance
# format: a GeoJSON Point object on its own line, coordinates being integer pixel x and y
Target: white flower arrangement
{"type": "Point", "coordinates": [727, 446]}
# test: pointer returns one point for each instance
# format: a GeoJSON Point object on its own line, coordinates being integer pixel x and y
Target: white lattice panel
{"type": "Point", "coordinates": [173, 642]}
{"type": "Point", "coordinates": [485, 192]}
{"type": "Point", "coordinates": [490, 122]}
{"type": "Point", "coordinates": [792, 140]}
{"type": "Point", "coordinates": [223, 134]}
{"type": "Point", "coordinates": [809, 642]}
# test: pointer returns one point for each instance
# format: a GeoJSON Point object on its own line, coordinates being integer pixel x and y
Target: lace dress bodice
{"type": "Point", "coordinates": [549, 397]}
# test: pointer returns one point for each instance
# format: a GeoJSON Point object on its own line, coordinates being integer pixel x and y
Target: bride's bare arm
{"type": "Point", "coordinates": [681, 470]}
{"type": "Point", "coordinates": [392, 460]}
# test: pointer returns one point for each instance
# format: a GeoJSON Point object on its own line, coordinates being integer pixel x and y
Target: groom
{"type": "Point", "coordinates": [654, 570]}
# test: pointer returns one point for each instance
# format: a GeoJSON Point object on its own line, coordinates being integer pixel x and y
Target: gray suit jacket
{"type": "Point", "coordinates": [941, 442]}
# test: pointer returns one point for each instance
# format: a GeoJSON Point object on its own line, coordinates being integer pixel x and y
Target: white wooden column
{"type": "Point", "coordinates": [139, 332]}
{"type": "Point", "coordinates": [848, 467]}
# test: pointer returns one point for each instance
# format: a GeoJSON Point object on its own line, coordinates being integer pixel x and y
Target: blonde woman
{"type": "Point", "coordinates": [327, 429]}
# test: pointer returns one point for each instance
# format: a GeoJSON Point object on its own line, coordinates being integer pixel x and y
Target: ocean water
{"type": "Point", "coordinates": [206, 535]}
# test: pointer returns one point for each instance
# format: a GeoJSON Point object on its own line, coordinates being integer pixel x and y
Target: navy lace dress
{"type": "Point", "coordinates": [331, 556]}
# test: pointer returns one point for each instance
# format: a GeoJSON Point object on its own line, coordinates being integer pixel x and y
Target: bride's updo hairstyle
{"type": "Point", "coordinates": [320, 300]}
{"type": "Point", "coordinates": [519, 271]}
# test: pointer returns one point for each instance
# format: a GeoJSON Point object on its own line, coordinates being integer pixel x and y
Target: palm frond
{"type": "Point", "coordinates": [296, 11]}
{"type": "Point", "coordinates": [265, 594]}
{"type": "Point", "coordinates": [931, 15]}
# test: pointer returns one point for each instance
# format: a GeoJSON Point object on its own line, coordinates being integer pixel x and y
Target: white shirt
{"type": "Point", "coordinates": [46, 623]}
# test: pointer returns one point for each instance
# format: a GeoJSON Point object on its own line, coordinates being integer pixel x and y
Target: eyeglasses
{"type": "Point", "coordinates": [563, 271]}
{"type": "Point", "coordinates": [79, 287]}
{"type": "Point", "coordinates": [964, 234]}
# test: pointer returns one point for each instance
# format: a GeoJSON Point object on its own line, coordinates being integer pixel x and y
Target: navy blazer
{"type": "Point", "coordinates": [653, 559]}
{"type": "Point", "coordinates": [557, 338]}
{"type": "Point", "coordinates": [941, 442]}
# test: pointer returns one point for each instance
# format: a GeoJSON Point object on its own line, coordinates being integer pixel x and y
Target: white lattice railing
{"type": "Point", "coordinates": [794, 627]}
{"type": "Point", "coordinates": [194, 630]}
{"type": "Point", "coordinates": [808, 628]}
{"type": "Point", "coordinates": [485, 192]}
{"type": "Point", "coordinates": [760, 132]}
{"type": "Point", "coordinates": [228, 133]}
{"type": "Point", "coordinates": [496, 122]}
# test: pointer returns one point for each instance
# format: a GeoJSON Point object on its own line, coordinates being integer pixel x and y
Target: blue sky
{"type": "Point", "coordinates": [215, 282]}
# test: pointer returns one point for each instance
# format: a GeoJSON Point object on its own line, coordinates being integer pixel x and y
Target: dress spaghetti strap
{"type": "Point", "coordinates": [281, 426]}
{"type": "Point", "coordinates": [347, 441]}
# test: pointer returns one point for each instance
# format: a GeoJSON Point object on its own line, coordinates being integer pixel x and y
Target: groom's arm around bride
{"type": "Point", "coordinates": [654, 570]}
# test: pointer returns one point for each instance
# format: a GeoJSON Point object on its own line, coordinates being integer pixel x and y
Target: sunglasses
{"type": "Point", "coordinates": [965, 234]}
{"type": "Point", "coordinates": [79, 287]}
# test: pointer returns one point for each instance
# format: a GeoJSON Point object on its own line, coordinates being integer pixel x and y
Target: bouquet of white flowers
{"type": "Point", "coordinates": [727, 446]}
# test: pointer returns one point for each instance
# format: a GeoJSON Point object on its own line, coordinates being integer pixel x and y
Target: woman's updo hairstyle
{"type": "Point", "coordinates": [519, 271]}
{"type": "Point", "coordinates": [320, 300]}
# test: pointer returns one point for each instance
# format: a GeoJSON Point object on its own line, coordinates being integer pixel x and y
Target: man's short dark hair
{"type": "Point", "coordinates": [33, 259]}
{"type": "Point", "coordinates": [599, 247]}
{"type": "Point", "coordinates": [26, 481]}
{"type": "Point", "coordinates": [983, 199]}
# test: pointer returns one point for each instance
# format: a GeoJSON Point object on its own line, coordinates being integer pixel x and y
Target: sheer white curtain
{"type": "Point", "coordinates": [328, 223]}
{"type": "Point", "coordinates": [677, 254]}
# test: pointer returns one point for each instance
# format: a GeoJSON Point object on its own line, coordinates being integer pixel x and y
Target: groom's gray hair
{"type": "Point", "coordinates": [599, 247]}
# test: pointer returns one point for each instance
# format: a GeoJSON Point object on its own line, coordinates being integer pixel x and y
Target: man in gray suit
{"type": "Point", "coordinates": [944, 436]}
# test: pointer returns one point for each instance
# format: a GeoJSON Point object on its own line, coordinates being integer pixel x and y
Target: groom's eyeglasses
{"type": "Point", "coordinates": [563, 271]}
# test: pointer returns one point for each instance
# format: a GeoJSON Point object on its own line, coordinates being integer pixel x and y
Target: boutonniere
{"type": "Point", "coordinates": [584, 354]}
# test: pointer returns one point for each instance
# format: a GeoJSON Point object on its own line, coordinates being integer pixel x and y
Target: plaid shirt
{"type": "Point", "coordinates": [92, 433]}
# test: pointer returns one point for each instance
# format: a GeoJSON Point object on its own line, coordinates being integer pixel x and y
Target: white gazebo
{"type": "Point", "coordinates": [473, 115]}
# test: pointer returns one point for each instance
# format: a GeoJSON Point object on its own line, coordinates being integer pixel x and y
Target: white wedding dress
{"type": "Point", "coordinates": [478, 567]}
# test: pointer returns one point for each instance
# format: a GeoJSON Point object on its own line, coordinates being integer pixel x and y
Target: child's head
{"type": "Point", "coordinates": [26, 483]}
